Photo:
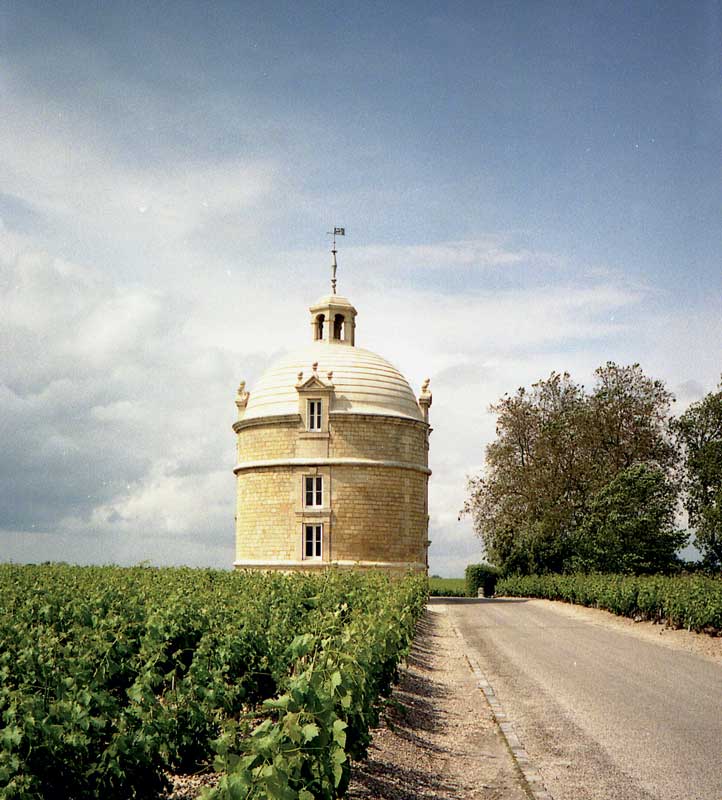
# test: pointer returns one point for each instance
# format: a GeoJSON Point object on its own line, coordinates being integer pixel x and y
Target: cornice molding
{"type": "Point", "coordinates": [330, 462]}
{"type": "Point", "coordinates": [318, 564]}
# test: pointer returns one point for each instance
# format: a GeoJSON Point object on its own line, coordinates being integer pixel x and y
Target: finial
{"type": "Point", "coordinates": [314, 366]}
{"type": "Point", "coordinates": [300, 376]}
{"type": "Point", "coordinates": [241, 399]}
{"type": "Point", "coordinates": [330, 376]}
{"type": "Point", "coordinates": [336, 232]}
{"type": "Point", "coordinates": [425, 399]}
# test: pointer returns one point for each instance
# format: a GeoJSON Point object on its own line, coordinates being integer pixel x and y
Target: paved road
{"type": "Point", "coordinates": [603, 714]}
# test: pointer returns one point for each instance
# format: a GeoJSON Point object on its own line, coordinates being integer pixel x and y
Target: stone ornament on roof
{"type": "Point", "coordinates": [242, 398]}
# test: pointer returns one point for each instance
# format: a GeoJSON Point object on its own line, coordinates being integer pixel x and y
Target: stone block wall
{"type": "Point", "coordinates": [268, 441]}
{"type": "Point", "coordinates": [370, 436]}
{"type": "Point", "coordinates": [265, 514]}
{"type": "Point", "coordinates": [371, 513]}
{"type": "Point", "coordinates": [379, 514]}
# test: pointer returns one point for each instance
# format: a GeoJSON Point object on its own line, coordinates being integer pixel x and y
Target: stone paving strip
{"type": "Point", "coordinates": [438, 739]}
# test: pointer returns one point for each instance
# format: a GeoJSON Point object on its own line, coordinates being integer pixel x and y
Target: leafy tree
{"type": "Point", "coordinates": [523, 506]}
{"type": "Point", "coordinates": [699, 433]}
{"type": "Point", "coordinates": [630, 526]}
{"type": "Point", "coordinates": [627, 419]}
{"type": "Point", "coordinates": [557, 447]}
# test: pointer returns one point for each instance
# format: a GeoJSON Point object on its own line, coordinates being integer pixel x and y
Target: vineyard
{"type": "Point", "coordinates": [110, 678]}
{"type": "Point", "coordinates": [693, 602]}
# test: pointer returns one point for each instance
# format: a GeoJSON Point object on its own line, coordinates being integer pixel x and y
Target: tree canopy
{"type": "Point", "coordinates": [548, 498]}
{"type": "Point", "coordinates": [699, 434]}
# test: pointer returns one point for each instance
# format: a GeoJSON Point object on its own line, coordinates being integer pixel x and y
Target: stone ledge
{"type": "Point", "coordinates": [254, 422]}
{"type": "Point", "coordinates": [319, 462]}
{"type": "Point", "coordinates": [318, 564]}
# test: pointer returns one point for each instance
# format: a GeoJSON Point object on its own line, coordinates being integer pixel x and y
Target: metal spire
{"type": "Point", "coordinates": [336, 232]}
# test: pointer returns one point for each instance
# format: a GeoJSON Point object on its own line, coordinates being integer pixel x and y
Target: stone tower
{"type": "Point", "coordinates": [332, 457]}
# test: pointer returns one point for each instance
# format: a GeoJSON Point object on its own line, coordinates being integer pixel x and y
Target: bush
{"type": "Point", "coordinates": [686, 601]}
{"type": "Point", "coordinates": [481, 576]}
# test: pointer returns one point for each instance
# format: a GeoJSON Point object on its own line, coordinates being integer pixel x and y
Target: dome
{"type": "Point", "coordinates": [363, 382]}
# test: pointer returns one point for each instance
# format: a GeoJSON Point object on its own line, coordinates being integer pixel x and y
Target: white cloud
{"type": "Point", "coordinates": [120, 397]}
{"type": "Point", "coordinates": [117, 374]}
{"type": "Point", "coordinates": [488, 251]}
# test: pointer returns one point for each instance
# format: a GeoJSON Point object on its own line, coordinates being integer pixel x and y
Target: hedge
{"type": "Point", "coordinates": [693, 602]}
{"type": "Point", "coordinates": [481, 576]}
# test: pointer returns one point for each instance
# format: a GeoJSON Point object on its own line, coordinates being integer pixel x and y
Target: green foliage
{"type": "Point", "coordinates": [686, 601]}
{"type": "Point", "coordinates": [447, 587]}
{"type": "Point", "coordinates": [556, 450]}
{"type": "Point", "coordinates": [630, 525]}
{"type": "Point", "coordinates": [322, 719]}
{"type": "Point", "coordinates": [699, 434]}
{"type": "Point", "coordinates": [481, 576]}
{"type": "Point", "coordinates": [110, 676]}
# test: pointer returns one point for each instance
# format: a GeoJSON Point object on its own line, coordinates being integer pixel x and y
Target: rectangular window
{"type": "Point", "coordinates": [314, 415]}
{"type": "Point", "coordinates": [313, 491]}
{"type": "Point", "coordinates": [313, 535]}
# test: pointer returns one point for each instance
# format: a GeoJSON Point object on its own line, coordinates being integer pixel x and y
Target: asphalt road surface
{"type": "Point", "coordinates": [602, 713]}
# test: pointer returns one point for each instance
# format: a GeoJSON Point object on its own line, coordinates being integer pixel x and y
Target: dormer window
{"type": "Point", "coordinates": [315, 417]}
{"type": "Point", "coordinates": [318, 328]}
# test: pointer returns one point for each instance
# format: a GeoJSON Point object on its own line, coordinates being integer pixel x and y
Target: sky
{"type": "Point", "coordinates": [525, 187]}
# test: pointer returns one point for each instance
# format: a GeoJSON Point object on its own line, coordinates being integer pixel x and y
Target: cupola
{"type": "Point", "coordinates": [333, 320]}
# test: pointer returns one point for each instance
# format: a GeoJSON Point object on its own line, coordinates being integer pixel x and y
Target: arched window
{"type": "Point", "coordinates": [319, 326]}
{"type": "Point", "coordinates": [338, 322]}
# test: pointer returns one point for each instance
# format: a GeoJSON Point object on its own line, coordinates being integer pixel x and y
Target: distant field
{"type": "Point", "coordinates": [447, 587]}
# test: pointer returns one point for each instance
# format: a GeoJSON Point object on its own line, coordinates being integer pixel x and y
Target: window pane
{"type": "Point", "coordinates": [318, 541]}
{"type": "Point", "coordinates": [314, 415]}
{"type": "Point", "coordinates": [319, 491]}
{"type": "Point", "coordinates": [309, 541]}
{"type": "Point", "coordinates": [309, 491]}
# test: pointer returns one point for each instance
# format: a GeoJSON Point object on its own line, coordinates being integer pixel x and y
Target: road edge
{"type": "Point", "coordinates": [533, 783]}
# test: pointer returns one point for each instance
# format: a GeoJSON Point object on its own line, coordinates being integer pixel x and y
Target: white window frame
{"type": "Point", "coordinates": [315, 491]}
{"type": "Point", "coordinates": [316, 541]}
{"type": "Point", "coordinates": [315, 415]}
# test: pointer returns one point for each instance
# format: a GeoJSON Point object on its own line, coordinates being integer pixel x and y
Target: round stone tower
{"type": "Point", "coordinates": [332, 457]}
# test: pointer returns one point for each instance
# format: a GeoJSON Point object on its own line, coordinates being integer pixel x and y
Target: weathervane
{"type": "Point", "coordinates": [335, 232]}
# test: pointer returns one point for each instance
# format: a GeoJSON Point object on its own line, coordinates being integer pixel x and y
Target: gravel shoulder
{"type": "Point", "coordinates": [437, 739]}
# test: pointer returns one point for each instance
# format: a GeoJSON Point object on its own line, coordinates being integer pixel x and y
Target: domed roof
{"type": "Point", "coordinates": [363, 382]}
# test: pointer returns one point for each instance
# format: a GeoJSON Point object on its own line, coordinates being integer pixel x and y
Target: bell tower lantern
{"type": "Point", "coordinates": [333, 320]}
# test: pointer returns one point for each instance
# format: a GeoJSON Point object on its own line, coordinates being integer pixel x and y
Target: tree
{"type": "Point", "coordinates": [699, 433]}
{"type": "Point", "coordinates": [557, 447]}
{"type": "Point", "coordinates": [630, 526]}
{"type": "Point", "coordinates": [628, 415]}
{"type": "Point", "coordinates": [522, 507]}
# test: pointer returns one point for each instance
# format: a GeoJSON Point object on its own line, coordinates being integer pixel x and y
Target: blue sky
{"type": "Point", "coordinates": [525, 187]}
